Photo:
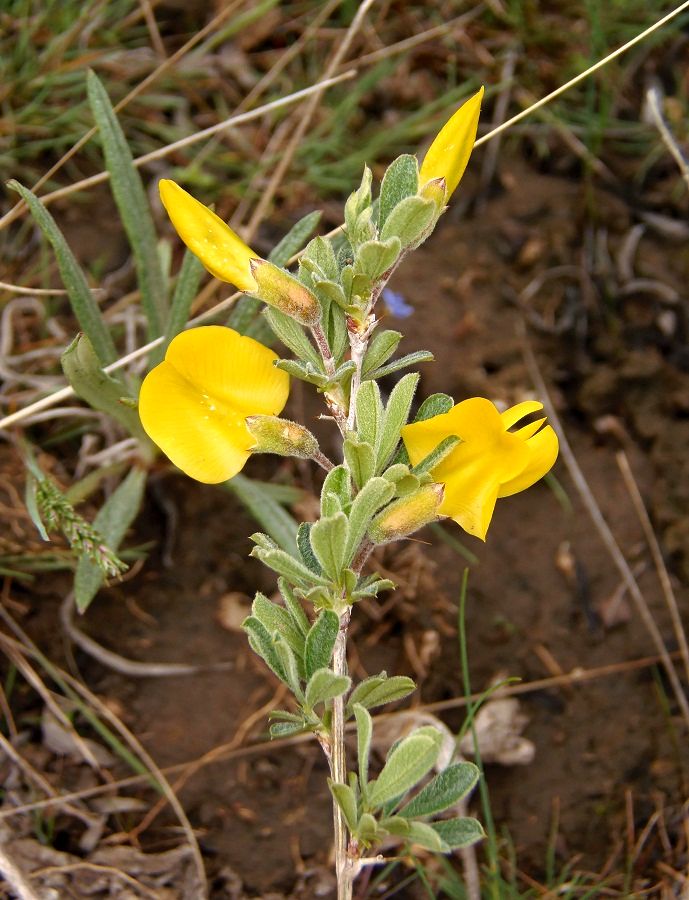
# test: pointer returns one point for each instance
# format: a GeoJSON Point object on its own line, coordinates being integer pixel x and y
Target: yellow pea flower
{"type": "Point", "coordinates": [195, 403]}
{"type": "Point", "coordinates": [490, 461]}
{"type": "Point", "coordinates": [222, 252]}
{"type": "Point", "coordinates": [448, 155]}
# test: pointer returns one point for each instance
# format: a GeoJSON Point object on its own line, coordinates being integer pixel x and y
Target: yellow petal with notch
{"type": "Point", "coordinates": [448, 155]}
{"type": "Point", "coordinates": [222, 252]}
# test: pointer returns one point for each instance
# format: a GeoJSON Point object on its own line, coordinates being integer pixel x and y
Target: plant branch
{"type": "Point", "coordinates": [338, 764]}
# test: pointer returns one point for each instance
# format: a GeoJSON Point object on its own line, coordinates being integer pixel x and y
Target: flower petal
{"type": "Point", "coordinates": [448, 155]}
{"type": "Point", "coordinates": [208, 443]}
{"type": "Point", "coordinates": [235, 370]}
{"type": "Point", "coordinates": [470, 495]}
{"type": "Point", "coordinates": [543, 448]}
{"type": "Point", "coordinates": [222, 252]}
{"type": "Point", "coordinates": [513, 415]}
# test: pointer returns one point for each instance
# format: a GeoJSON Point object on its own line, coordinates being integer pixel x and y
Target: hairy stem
{"type": "Point", "coordinates": [338, 764]}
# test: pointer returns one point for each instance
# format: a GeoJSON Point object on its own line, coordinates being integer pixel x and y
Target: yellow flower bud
{"type": "Point", "coordinates": [449, 153]}
{"type": "Point", "coordinates": [407, 514]}
{"type": "Point", "coordinates": [283, 291]}
{"type": "Point", "coordinates": [280, 436]}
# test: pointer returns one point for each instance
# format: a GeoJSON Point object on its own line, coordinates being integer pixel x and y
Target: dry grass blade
{"type": "Point", "coordinates": [653, 101]}
{"type": "Point", "coordinates": [15, 878]}
{"type": "Point", "coordinates": [602, 526]}
{"type": "Point", "coordinates": [657, 555]}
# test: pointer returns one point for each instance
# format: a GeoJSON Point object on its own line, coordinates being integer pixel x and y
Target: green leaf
{"type": "Point", "coordinates": [260, 502]}
{"type": "Point", "coordinates": [435, 405]}
{"type": "Point", "coordinates": [187, 286]}
{"type": "Point", "coordinates": [401, 180]}
{"type": "Point", "coordinates": [320, 642]}
{"type": "Point", "coordinates": [379, 689]}
{"type": "Point", "coordinates": [133, 207]}
{"type": "Point", "coordinates": [446, 789]}
{"type": "Point", "coordinates": [360, 458]}
{"type": "Point", "coordinates": [284, 564]}
{"type": "Point", "coordinates": [304, 371]}
{"type": "Point", "coordinates": [411, 759]}
{"type": "Point", "coordinates": [295, 239]}
{"type": "Point", "coordinates": [372, 588]}
{"type": "Point", "coordinates": [290, 665]}
{"type": "Point", "coordinates": [263, 645]}
{"type": "Point", "coordinates": [112, 521]}
{"type": "Point", "coordinates": [396, 415]}
{"type": "Point", "coordinates": [101, 391]}
{"type": "Point", "coordinates": [337, 483]}
{"type": "Point", "coordinates": [329, 539]}
{"type": "Point", "coordinates": [371, 498]}
{"type": "Point", "coordinates": [305, 548]}
{"type": "Point", "coordinates": [458, 833]}
{"type": "Point", "coordinates": [358, 202]}
{"type": "Point", "coordinates": [425, 836]}
{"type": "Point", "coordinates": [383, 344]}
{"type": "Point", "coordinates": [293, 336]}
{"type": "Point", "coordinates": [367, 828]}
{"type": "Point", "coordinates": [364, 732]}
{"type": "Point", "coordinates": [325, 685]}
{"type": "Point", "coordinates": [411, 359]}
{"type": "Point", "coordinates": [286, 729]}
{"type": "Point", "coordinates": [319, 258]}
{"type": "Point", "coordinates": [375, 258]}
{"type": "Point", "coordinates": [338, 337]}
{"type": "Point", "coordinates": [278, 621]}
{"type": "Point", "coordinates": [293, 607]}
{"type": "Point", "coordinates": [332, 292]}
{"type": "Point", "coordinates": [410, 221]}
{"type": "Point", "coordinates": [81, 299]}
{"type": "Point", "coordinates": [369, 412]}
{"type": "Point", "coordinates": [346, 800]}
{"type": "Point", "coordinates": [395, 826]}
{"type": "Point", "coordinates": [32, 505]}
{"type": "Point", "coordinates": [436, 456]}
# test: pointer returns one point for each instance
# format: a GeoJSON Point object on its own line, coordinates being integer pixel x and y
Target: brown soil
{"type": "Point", "coordinates": [616, 361]}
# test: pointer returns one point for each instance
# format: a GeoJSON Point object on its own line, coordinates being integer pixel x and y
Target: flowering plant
{"type": "Point", "coordinates": [216, 398]}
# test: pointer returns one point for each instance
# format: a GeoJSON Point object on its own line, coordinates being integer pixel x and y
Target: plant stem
{"type": "Point", "coordinates": [339, 765]}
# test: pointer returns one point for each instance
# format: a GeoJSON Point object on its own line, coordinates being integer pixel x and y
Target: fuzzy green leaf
{"type": "Point", "coordinates": [411, 759]}
{"type": "Point", "coordinates": [369, 412]}
{"type": "Point", "coordinates": [374, 258]}
{"type": "Point", "coordinates": [81, 299]}
{"type": "Point", "coordinates": [426, 836]}
{"type": "Point", "coordinates": [382, 346]}
{"type": "Point", "coordinates": [293, 607]}
{"type": "Point", "coordinates": [305, 548]}
{"type": "Point", "coordinates": [330, 542]}
{"type": "Point", "coordinates": [133, 207]}
{"type": "Point", "coordinates": [436, 456]}
{"type": "Point", "coordinates": [112, 521]}
{"type": "Point", "coordinates": [319, 258]}
{"type": "Point", "coordinates": [460, 832]}
{"type": "Point", "coordinates": [435, 405]}
{"type": "Point", "coordinates": [396, 415]}
{"type": "Point", "coordinates": [364, 733]}
{"type": "Point", "coordinates": [278, 621]}
{"type": "Point", "coordinates": [370, 499]}
{"type": "Point", "coordinates": [287, 565]}
{"type": "Point", "coordinates": [411, 359]}
{"type": "Point", "coordinates": [346, 800]}
{"type": "Point", "coordinates": [337, 483]}
{"type": "Point", "coordinates": [263, 645]}
{"type": "Point", "coordinates": [410, 220]}
{"type": "Point", "coordinates": [401, 180]}
{"type": "Point", "coordinates": [293, 670]}
{"type": "Point", "coordinates": [293, 336]}
{"type": "Point", "coordinates": [379, 689]}
{"type": "Point", "coordinates": [360, 458]}
{"type": "Point", "coordinates": [320, 642]}
{"type": "Point", "coordinates": [325, 685]}
{"type": "Point", "coordinates": [446, 789]}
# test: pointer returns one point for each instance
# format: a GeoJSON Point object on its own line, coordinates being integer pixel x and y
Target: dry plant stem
{"type": "Point", "coordinates": [323, 461]}
{"type": "Point", "coordinates": [657, 555]}
{"type": "Point", "coordinates": [338, 764]}
{"type": "Point", "coordinates": [15, 878]}
{"type": "Point", "coordinates": [669, 140]}
{"type": "Point", "coordinates": [602, 526]}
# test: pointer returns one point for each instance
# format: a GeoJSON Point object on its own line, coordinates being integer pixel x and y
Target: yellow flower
{"type": "Point", "coordinates": [449, 153]}
{"type": "Point", "coordinates": [222, 252]}
{"type": "Point", "coordinates": [490, 461]}
{"type": "Point", "coordinates": [195, 403]}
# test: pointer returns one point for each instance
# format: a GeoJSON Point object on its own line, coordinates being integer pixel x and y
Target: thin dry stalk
{"type": "Point", "coordinates": [653, 101]}
{"type": "Point", "coordinates": [602, 526]}
{"type": "Point", "coordinates": [15, 878]}
{"type": "Point", "coordinates": [656, 553]}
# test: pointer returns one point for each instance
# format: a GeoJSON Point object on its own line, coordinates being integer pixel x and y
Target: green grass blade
{"type": "Point", "coordinates": [185, 291]}
{"type": "Point", "coordinates": [273, 518]}
{"type": "Point", "coordinates": [132, 203]}
{"type": "Point", "coordinates": [81, 299]}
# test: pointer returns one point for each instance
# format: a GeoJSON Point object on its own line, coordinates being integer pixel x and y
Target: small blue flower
{"type": "Point", "coordinates": [396, 305]}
